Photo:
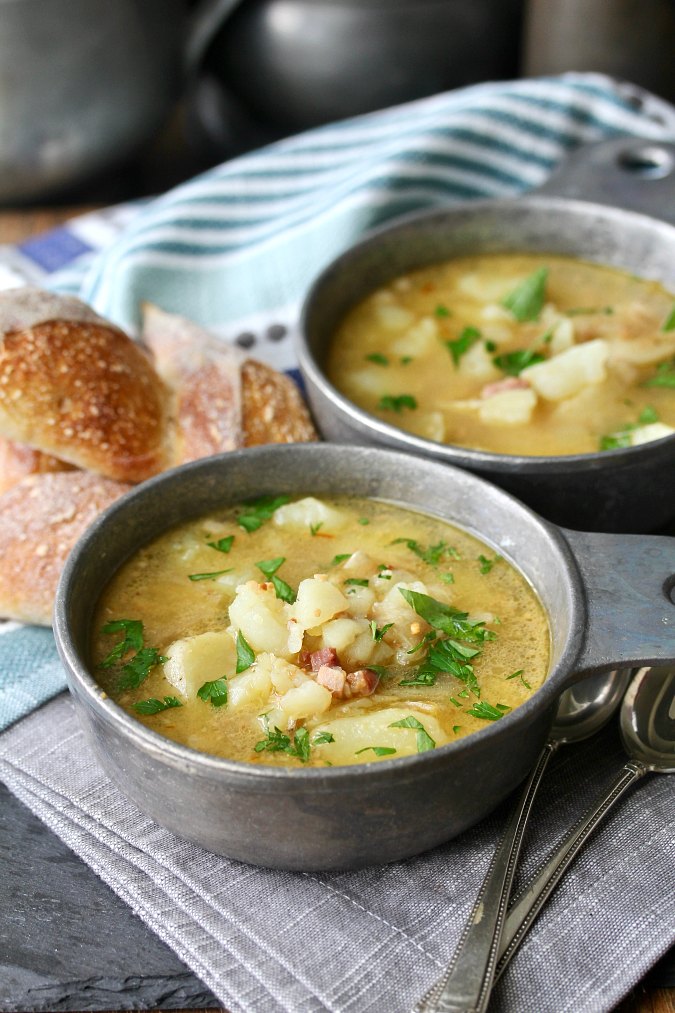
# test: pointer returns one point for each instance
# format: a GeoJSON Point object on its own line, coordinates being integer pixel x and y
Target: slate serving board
{"type": "Point", "coordinates": [67, 942]}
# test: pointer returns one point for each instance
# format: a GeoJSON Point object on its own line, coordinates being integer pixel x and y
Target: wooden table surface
{"type": "Point", "coordinates": [19, 224]}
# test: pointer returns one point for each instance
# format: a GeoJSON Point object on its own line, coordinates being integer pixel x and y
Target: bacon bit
{"type": "Point", "coordinates": [415, 628]}
{"type": "Point", "coordinates": [333, 678]}
{"type": "Point", "coordinates": [363, 682]}
{"type": "Point", "coordinates": [324, 656]}
{"type": "Point", "coordinates": [499, 386]}
{"type": "Point", "coordinates": [317, 613]}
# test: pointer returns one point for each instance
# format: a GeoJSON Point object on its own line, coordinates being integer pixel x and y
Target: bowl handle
{"type": "Point", "coordinates": [630, 599]}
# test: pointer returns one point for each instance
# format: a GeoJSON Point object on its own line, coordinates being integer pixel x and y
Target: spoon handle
{"type": "Point", "coordinates": [465, 986]}
{"type": "Point", "coordinates": [529, 903]}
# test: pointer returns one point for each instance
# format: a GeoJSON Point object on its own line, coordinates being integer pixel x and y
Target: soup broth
{"type": "Point", "coordinates": [514, 354]}
{"type": "Point", "coordinates": [318, 632]}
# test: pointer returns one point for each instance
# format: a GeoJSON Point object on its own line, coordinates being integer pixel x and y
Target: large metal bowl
{"type": "Point", "coordinates": [596, 589]}
{"type": "Point", "coordinates": [631, 489]}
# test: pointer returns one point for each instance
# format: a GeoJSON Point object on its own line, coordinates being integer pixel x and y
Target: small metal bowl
{"type": "Point", "coordinates": [631, 489]}
{"type": "Point", "coordinates": [595, 589]}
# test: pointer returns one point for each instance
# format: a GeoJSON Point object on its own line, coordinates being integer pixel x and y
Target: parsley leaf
{"type": "Point", "coordinates": [154, 706]}
{"type": "Point", "coordinates": [133, 638]}
{"type": "Point", "coordinates": [431, 555]}
{"type": "Point", "coordinates": [376, 633]}
{"type": "Point", "coordinates": [424, 740]}
{"type": "Point", "coordinates": [356, 582]}
{"type": "Point", "coordinates": [137, 669]}
{"type": "Point", "coordinates": [487, 712]}
{"type": "Point", "coordinates": [424, 676]}
{"type": "Point", "coordinates": [664, 376]}
{"type": "Point", "coordinates": [513, 363]}
{"type": "Point", "coordinates": [378, 358]}
{"type": "Point", "coordinates": [519, 675]}
{"type": "Point", "coordinates": [648, 415]}
{"type": "Point", "coordinates": [215, 691]}
{"type": "Point", "coordinates": [461, 345]}
{"type": "Point", "coordinates": [397, 402]}
{"type": "Point", "coordinates": [223, 544]}
{"type": "Point", "coordinates": [486, 564]}
{"type": "Point", "coordinates": [446, 618]}
{"type": "Point", "coordinates": [315, 528]}
{"type": "Point", "coordinates": [259, 510]}
{"type": "Point", "coordinates": [322, 737]}
{"type": "Point", "coordinates": [340, 558]}
{"type": "Point", "coordinates": [283, 590]}
{"type": "Point", "coordinates": [276, 741]}
{"type": "Point", "coordinates": [442, 311]}
{"type": "Point", "coordinates": [270, 566]}
{"type": "Point", "coordinates": [378, 750]}
{"type": "Point", "coordinates": [527, 299]}
{"type": "Point", "coordinates": [245, 656]}
{"type": "Point", "coordinates": [209, 576]}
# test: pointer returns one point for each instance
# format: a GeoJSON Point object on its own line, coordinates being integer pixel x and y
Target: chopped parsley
{"type": "Point", "coordinates": [442, 311]}
{"type": "Point", "coordinates": [137, 669]}
{"type": "Point", "coordinates": [406, 360]}
{"type": "Point", "coordinates": [397, 402]}
{"type": "Point", "coordinates": [214, 691]}
{"type": "Point", "coordinates": [424, 740]}
{"type": "Point", "coordinates": [513, 363]}
{"type": "Point", "coordinates": [582, 311]}
{"type": "Point", "coordinates": [487, 712]}
{"type": "Point", "coordinates": [461, 345]}
{"type": "Point", "coordinates": [519, 675]}
{"type": "Point", "coordinates": [378, 633]}
{"type": "Point", "coordinates": [664, 376]}
{"type": "Point", "coordinates": [209, 576]}
{"type": "Point", "coordinates": [245, 655]}
{"type": "Point", "coordinates": [322, 737]}
{"type": "Point", "coordinates": [423, 677]}
{"type": "Point", "coordinates": [446, 618]}
{"type": "Point", "coordinates": [364, 520]}
{"type": "Point", "coordinates": [486, 564]}
{"type": "Point", "coordinates": [425, 640]}
{"type": "Point", "coordinates": [154, 706]}
{"type": "Point", "coordinates": [270, 566]}
{"type": "Point", "coordinates": [223, 544]}
{"type": "Point", "coordinates": [624, 437]}
{"type": "Point", "coordinates": [259, 510]}
{"type": "Point", "coordinates": [283, 590]}
{"type": "Point", "coordinates": [356, 582]}
{"type": "Point", "coordinates": [276, 741]}
{"type": "Point", "coordinates": [432, 554]}
{"type": "Point", "coordinates": [133, 638]}
{"type": "Point", "coordinates": [378, 358]}
{"type": "Point", "coordinates": [527, 300]}
{"type": "Point", "coordinates": [315, 528]}
{"type": "Point", "coordinates": [340, 558]}
{"type": "Point", "coordinates": [378, 750]}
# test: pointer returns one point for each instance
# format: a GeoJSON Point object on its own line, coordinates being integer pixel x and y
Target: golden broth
{"type": "Point", "coordinates": [442, 353]}
{"type": "Point", "coordinates": [318, 576]}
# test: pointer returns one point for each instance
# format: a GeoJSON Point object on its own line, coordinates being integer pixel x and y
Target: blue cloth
{"type": "Point", "coordinates": [236, 248]}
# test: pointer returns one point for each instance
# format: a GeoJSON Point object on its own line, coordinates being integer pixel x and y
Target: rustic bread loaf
{"type": "Point", "coordinates": [41, 518]}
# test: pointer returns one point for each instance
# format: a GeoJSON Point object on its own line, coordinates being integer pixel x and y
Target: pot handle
{"type": "Point", "coordinates": [630, 599]}
{"type": "Point", "coordinates": [627, 172]}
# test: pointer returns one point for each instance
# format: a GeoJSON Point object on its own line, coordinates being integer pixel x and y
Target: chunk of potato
{"type": "Point", "coordinates": [282, 674]}
{"type": "Point", "coordinates": [317, 602]}
{"type": "Point", "coordinates": [310, 512]}
{"type": "Point", "coordinates": [340, 633]}
{"type": "Point", "coordinates": [477, 363]}
{"type": "Point", "coordinates": [653, 431]}
{"type": "Point", "coordinates": [428, 425]}
{"type": "Point", "coordinates": [250, 689]}
{"type": "Point", "coordinates": [395, 609]}
{"type": "Point", "coordinates": [393, 317]}
{"type": "Point", "coordinates": [199, 659]}
{"type": "Point", "coordinates": [306, 700]}
{"type": "Point", "coordinates": [566, 374]}
{"type": "Point", "coordinates": [508, 408]}
{"type": "Point", "coordinates": [562, 336]}
{"type": "Point", "coordinates": [261, 617]}
{"type": "Point", "coordinates": [420, 339]}
{"type": "Point", "coordinates": [359, 600]}
{"type": "Point", "coordinates": [373, 728]}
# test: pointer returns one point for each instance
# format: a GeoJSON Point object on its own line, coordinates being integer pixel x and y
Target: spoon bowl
{"type": "Point", "coordinates": [648, 720]}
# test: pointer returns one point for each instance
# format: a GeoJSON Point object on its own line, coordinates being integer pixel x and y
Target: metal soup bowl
{"type": "Point", "coordinates": [594, 588]}
{"type": "Point", "coordinates": [631, 489]}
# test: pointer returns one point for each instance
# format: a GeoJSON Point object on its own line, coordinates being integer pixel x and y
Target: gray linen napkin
{"type": "Point", "coordinates": [373, 940]}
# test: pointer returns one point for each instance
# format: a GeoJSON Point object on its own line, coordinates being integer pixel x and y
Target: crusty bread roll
{"type": "Point", "coordinates": [75, 387]}
{"type": "Point", "coordinates": [41, 518]}
{"type": "Point", "coordinates": [221, 400]}
{"type": "Point", "coordinates": [104, 406]}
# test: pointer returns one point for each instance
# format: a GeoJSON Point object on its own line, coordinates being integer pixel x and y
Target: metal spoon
{"type": "Point", "coordinates": [466, 984]}
{"type": "Point", "coordinates": [647, 722]}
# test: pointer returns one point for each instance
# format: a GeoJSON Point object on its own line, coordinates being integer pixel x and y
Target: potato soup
{"type": "Point", "coordinates": [317, 632]}
{"type": "Point", "coordinates": [514, 354]}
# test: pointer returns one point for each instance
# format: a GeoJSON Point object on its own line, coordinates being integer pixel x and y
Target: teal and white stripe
{"type": "Point", "coordinates": [246, 239]}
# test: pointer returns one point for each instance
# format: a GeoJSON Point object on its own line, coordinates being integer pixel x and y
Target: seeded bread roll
{"type": "Point", "coordinates": [41, 518]}
{"type": "Point", "coordinates": [17, 461]}
{"type": "Point", "coordinates": [76, 387]}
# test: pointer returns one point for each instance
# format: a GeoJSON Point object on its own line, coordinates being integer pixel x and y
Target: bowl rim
{"type": "Point", "coordinates": [394, 436]}
{"type": "Point", "coordinates": [86, 689]}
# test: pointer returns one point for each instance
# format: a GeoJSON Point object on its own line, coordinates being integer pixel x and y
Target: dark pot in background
{"type": "Point", "coordinates": [296, 63]}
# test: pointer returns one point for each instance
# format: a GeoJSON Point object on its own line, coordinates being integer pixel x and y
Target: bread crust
{"type": "Point", "coordinates": [272, 409]}
{"type": "Point", "coordinates": [17, 461]}
{"type": "Point", "coordinates": [86, 393]}
{"type": "Point", "coordinates": [41, 518]}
